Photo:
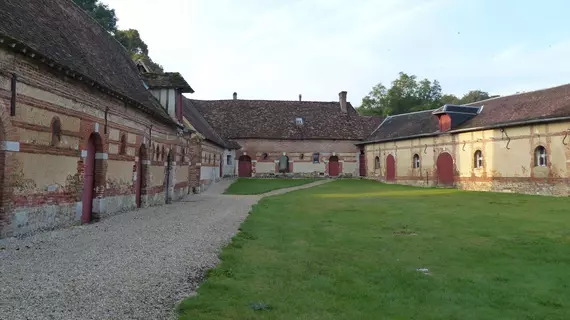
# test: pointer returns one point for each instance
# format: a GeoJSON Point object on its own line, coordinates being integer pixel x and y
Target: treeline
{"type": "Point", "coordinates": [130, 38]}
{"type": "Point", "coordinates": [408, 94]}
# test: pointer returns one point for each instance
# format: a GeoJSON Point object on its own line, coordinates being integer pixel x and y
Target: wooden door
{"type": "Point", "coordinates": [390, 168]}
{"type": "Point", "coordinates": [362, 164]}
{"type": "Point", "coordinates": [88, 182]}
{"type": "Point", "coordinates": [333, 166]}
{"type": "Point", "coordinates": [244, 167]}
{"type": "Point", "coordinates": [445, 175]}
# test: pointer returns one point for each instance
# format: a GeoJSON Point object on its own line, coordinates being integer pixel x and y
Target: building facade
{"type": "Point", "coordinates": [82, 138]}
{"type": "Point", "coordinates": [291, 138]}
{"type": "Point", "coordinates": [514, 143]}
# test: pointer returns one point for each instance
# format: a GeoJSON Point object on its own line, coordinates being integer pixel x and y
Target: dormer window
{"type": "Point", "coordinates": [299, 121]}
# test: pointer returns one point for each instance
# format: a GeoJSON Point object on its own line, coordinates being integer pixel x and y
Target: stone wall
{"type": "Point", "coordinates": [509, 159]}
{"type": "Point", "coordinates": [44, 150]}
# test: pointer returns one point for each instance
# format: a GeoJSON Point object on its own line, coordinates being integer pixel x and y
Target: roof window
{"type": "Point", "coordinates": [299, 121]}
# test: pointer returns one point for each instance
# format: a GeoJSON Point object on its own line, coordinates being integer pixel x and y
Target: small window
{"type": "Point", "coordinates": [183, 155]}
{"type": "Point", "coordinates": [265, 156]}
{"type": "Point", "coordinates": [123, 144]}
{"type": "Point", "coordinates": [478, 159]}
{"type": "Point", "coordinates": [316, 157]}
{"type": "Point", "coordinates": [299, 121]}
{"type": "Point", "coordinates": [416, 163]}
{"type": "Point", "coordinates": [162, 154]}
{"type": "Point", "coordinates": [302, 156]}
{"type": "Point", "coordinates": [228, 159]}
{"type": "Point", "coordinates": [157, 154]}
{"type": "Point", "coordinates": [540, 156]}
{"type": "Point", "coordinates": [377, 163]}
{"type": "Point", "coordinates": [55, 131]}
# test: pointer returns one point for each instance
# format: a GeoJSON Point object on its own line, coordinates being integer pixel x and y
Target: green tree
{"type": "Point", "coordinates": [153, 66]}
{"type": "Point", "coordinates": [104, 15]}
{"type": "Point", "coordinates": [474, 96]}
{"type": "Point", "coordinates": [131, 40]}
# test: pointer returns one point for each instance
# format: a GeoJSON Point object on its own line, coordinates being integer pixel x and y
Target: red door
{"type": "Point", "coordinates": [445, 175]}
{"type": "Point", "coordinates": [139, 184]}
{"type": "Point", "coordinates": [390, 168]}
{"type": "Point", "coordinates": [244, 167]}
{"type": "Point", "coordinates": [362, 164]}
{"type": "Point", "coordinates": [333, 166]}
{"type": "Point", "coordinates": [88, 181]}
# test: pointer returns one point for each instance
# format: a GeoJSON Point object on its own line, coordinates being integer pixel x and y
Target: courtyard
{"type": "Point", "coordinates": [354, 249]}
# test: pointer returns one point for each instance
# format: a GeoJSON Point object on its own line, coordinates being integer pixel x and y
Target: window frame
{"type": "Point", "coordinates": [416, 161]}
{"type": "Point", "coordinates": [317, 159]}
{"type": "Point", "coordinates": [478, 159]}
{"type": "Point", "coordinates": [540, 156]}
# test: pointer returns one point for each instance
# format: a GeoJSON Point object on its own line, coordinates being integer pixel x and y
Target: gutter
{"type": "Point", "coordinates": [495, 126]}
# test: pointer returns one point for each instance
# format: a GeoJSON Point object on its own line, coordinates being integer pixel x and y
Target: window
{"type": "Point", "coordinates": [540, 156]}
{"type": "Point", "coordinates": [377, 163]}
{"type": "Point", "coordinates": [316, 157]}
{"type": "Point", "coordinates": [157, 153]}
{"type": "Point", "coordinates": [55, 131]}
{"type": "Point", "coordinates": [162, 154]}
{"type": "Point", "coordinates": [209, 158]}
{"type": "Point", "coordinates": [123, 144]}
{"type": "Point", "coordinates": [478, 159]}
{"type": "Point", "coordinates": [228, 159]}
{"type": "Point", "coordinates": [416, 163]}
{"type": "Point", "coordinates": [299, 121]}
{"type": "Point", "coordinates": [264, 156]}
{"type": "Point", "coordinates": [183, 156]}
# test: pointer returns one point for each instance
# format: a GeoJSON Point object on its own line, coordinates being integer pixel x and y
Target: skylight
{"type": "Point", "coordinates": [299, 121]}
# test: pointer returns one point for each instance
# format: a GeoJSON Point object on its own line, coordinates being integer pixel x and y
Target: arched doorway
{"type": "Point", "coordinates": [333, 166]}
{"type": "Point", "coordinates": [445, 175]}
{"type": "Point", "coordinates": [90, 181]}
{"type": "Point", "coordinates": [141, 174]}
{"type": "Point", "coordinates": [167, 177]}
{"type": "Point", "coordinates": [244, 166]}
{"type": "Point", "coordinates": [390, 168]}
{"type": "Point", "coordinates": [362, 163]}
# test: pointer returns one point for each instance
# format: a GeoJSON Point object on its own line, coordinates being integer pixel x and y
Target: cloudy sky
{"type": "Point", "coordinates": [278, 49]}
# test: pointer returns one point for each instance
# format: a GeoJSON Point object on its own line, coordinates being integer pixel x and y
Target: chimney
{"type": "Point", "coordinates": [300, 97]}
{"type": "Point", "coordinates": [235, 95]}
{"type": "Point", "coordinates": [342, 100]}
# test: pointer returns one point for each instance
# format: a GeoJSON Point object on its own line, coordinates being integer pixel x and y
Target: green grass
{"type": "Point", "coordinates": [350, 249]}
{"type": "Point", "coordinates": [259, 186]}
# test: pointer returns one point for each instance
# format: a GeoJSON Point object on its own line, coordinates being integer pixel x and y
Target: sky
{"type": "Point", "coordinates": [276, 50]}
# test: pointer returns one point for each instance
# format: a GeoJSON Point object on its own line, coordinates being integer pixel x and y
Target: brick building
{"type": "Point", "coordinates": [291, 138]}
{"type": "Point", "coordinates": [82, 137]}
{"type": "Point", "coordinates": [516, 143]}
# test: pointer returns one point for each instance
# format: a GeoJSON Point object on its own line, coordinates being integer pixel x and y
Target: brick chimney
{"type": "Point", "coordinates": [235, 95]}
{"type": "Point", "coordinates": [342, 100]}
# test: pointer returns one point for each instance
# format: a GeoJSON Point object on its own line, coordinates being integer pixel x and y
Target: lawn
{"type": "Point", "coordinates": [259, 186]}
{"type": "Point", "coordinates": [351, 249]}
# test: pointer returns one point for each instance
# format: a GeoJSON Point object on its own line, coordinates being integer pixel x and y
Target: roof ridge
{"type": "Point", "coordinates": [414, 112]}
{"type": "Point", "coordinates": [267, 100]}
{"type": "Point", "coordinates": [518, 94]}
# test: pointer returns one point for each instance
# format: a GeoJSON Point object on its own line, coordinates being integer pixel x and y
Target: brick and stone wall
{"type": "Point", "coordinates": [509, 160]}
{"type": "Point", "coordinates": [265, 154]}
{"type": "Point", "coordinates": [44, 150]}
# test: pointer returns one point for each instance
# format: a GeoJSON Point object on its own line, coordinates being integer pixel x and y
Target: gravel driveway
{"type": "Point", "coordinates": [135, 265]}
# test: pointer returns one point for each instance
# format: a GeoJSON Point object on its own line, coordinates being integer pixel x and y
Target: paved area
{"type": "Point", "coordinates": [135, 265]}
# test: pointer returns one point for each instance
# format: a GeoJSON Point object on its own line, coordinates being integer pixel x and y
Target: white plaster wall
{"type": "Point", "coordinates": [209, 173]}
{"type": "Point", "coordinates": [350, 167]}
{"type": "Point", "coordinates": [265, 167]}
{"type": "Point", "coordinates": [172, 102]}
{"type": "Point", "coordinates": [308, 167]}
{"type": "Point", "coordinates": [229, 170]}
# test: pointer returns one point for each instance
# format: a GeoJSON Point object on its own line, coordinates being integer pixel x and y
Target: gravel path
{"type": "Point", "coordinates": [135, 265]}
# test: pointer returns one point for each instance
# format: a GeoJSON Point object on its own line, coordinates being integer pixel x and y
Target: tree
{"type": "Point", "coordinates": [474, 96]}
{"type": "Point", "coordinates": [131, 40]}
{"type": "Point", "coordinates": [153, 66]}
{"type": "Point", "coordinates": [104, 15]}
{"type": "Point", "coordinates": [407, 94]}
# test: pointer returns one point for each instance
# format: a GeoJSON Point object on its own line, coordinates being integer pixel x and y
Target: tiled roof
{"type": "Point", "coordinates": [203, 127]}
{"type": "Point", "coordinates": [66, 36]}
{"type": "Point", "coordinates": [535, 105]}
{"type": "Point", "coordinates": [406, 125]}
{"type": "Point", "coordinates": [235, 119]}
{"type": "Point", "coordinates": [166, 80]}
